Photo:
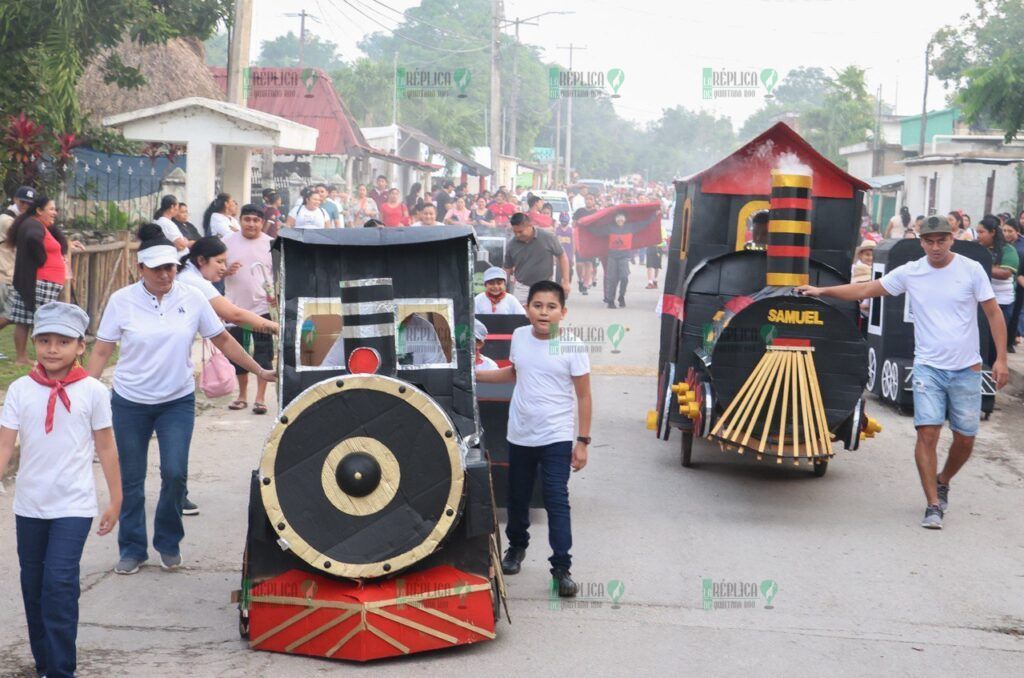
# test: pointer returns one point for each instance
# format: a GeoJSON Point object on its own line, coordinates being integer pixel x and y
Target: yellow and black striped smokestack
{"type": "Point", "coordinates": [789, 230]}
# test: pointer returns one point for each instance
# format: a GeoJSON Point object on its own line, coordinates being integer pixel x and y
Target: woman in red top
{"type": "Point", "coordinates": [394, 212]}
{"type": "Point", "coordinates": [39, 268]}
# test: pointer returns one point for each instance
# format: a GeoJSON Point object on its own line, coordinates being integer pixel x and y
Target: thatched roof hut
{"type": "Point", "coordinates": [173, 71]}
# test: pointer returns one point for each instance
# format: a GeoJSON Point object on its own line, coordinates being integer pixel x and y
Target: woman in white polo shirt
{"type": "Point", "coordinates": [164, 217]}
{"type": "Point", "coordinates": [154, 321]}
{"type": "Point", "coordinates": [309, 213]}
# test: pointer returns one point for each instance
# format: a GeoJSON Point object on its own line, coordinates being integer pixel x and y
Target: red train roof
{"type": "Point", "coordinates": [748, 170]}
{"type": "Point", "coordinates": [311, 101]}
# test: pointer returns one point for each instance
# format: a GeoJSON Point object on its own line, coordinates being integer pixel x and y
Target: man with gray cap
{"type": "Point", "coordinates": [495, 298]}
{"type": "Point", "coordinates": [944, 289]}
{"type": "Point", "coordinates": [23, 198]}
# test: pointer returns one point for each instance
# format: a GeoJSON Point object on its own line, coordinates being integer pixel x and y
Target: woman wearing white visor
{"type": "Point", "coordinates": [155, 321]}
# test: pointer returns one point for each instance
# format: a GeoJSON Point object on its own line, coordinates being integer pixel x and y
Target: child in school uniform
{"type": "Point", "coordinates": [61, 415]}
{"type": "Point", "coordinates": [482, 362]}
{"type": "Point", "coordinates": [549, 373]}
{"type": "Point", "coordinates": [495, 298]}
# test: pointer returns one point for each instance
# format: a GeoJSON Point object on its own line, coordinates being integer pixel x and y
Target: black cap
{"type": "Point", "coordinates": [26, 193]}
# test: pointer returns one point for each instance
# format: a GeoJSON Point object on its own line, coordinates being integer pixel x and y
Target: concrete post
{"type": "Point", "coordinates": [237, 179]}
{"type": "Point", "coordinates": [199, 179]}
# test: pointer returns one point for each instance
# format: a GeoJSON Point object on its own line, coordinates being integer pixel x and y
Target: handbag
{"type": "Point", "coordinates": [217, 377]}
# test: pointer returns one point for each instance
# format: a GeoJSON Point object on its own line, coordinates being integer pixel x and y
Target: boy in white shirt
{"type": "Point", "coordinates": [495, 299]}
{"type": "Point", "coordinates": [547, 372]}
{"type": "Point", "coordinates": [61, 415]}
{"type": "Point", "coordinates": [482, 362]}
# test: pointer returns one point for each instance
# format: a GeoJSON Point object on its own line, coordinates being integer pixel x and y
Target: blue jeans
{"type": "Point", "coordinates": [49, 552]}
{"type": "Point", "coordinates": [554, 460]}
{"type": "Point", "coordinates": [947, 394]}
{"type": "Point", "coordinates": [134, 424]}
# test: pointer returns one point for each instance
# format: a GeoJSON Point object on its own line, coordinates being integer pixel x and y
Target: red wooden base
{"type": "Point", "coordinates": [302, 613]}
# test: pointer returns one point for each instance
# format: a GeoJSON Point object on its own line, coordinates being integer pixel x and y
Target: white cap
{"type": "Point", "coordinates": [479, 331]}
{"type": "Point", "coordinates": [495, 272]}
{"type": "Point", "coordinates": [159, 255]}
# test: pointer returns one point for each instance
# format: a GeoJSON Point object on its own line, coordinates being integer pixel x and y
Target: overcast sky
{"type": "Point", "coordinates": [663, 47]}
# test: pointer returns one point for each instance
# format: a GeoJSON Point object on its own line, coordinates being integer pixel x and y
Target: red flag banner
{"type": "Point", "coordinates": [596, 233]}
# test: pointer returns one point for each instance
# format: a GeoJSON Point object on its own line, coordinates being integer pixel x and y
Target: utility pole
{"type": "Point", "coordinates": [558, 140]}
{"type": "Point", "coordinates": [238, 51]}
{"type": "Point", "coordinates": [394, 93]}
{"type": "Point", "coordinates": [568, 121]}
{"type": "Point", "coordinates": [513, 106]}
{"type": "Point", "coordinates": [303, 15]}
{"type": "Point", "coordinates": [876, 154]}
{"type": "Point", "coordinates": [924, 101]}
{"type": "Point", "coordinates": [494, 131]}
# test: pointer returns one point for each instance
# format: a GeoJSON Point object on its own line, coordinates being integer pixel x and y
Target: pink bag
{"type": "Point", "coordinates": [217, 378]}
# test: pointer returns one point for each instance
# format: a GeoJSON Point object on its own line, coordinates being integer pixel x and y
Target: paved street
{"type": "Point", "coordinates": [861, 588]}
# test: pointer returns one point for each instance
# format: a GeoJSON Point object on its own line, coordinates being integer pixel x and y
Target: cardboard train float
{"type": "Point", "coordinates": [372, 529]}
{"type": "Point", "coordinates": [744, 361]}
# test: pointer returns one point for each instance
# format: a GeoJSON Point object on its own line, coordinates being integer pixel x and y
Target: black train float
{"type": "Point", "coordinates": [891, 329]}
{"type": "Point", "coordinates": [372, 530]}
{"type": "Point", "coordinates": [743, 361]}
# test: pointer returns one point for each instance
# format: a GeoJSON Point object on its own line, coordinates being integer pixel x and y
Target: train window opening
{"type": "Point", "coordinates": [318, 341]}
{"type": "Point", "coordinates": [875, 306]}
{"type": "Point", "coordinates": [424, 333]}
{"type": "Point", "coordinates": [752, 226]}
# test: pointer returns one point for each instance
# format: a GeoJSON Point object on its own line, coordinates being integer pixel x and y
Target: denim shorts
{"type": "Point", "coordinates": [947, 394]}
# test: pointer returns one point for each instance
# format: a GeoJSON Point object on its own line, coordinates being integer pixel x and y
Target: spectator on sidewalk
{"type": "Point", "coordinates": [336, 218]}
{"type": "Point", "coordinates": [414, 198]}
{"type": "Point", "coordinates": [480, 216]}
{"type": "Point", "coordinates": [219, 218]}
{"type": "Point", "coordinates": [155, 321]}
{"type": "Point", "coordinates": [495, 298]}
{"type": "Point", "coordinates": [309, 213]}
{"type": "Point", "coordinates": [533, 255]}
{"type": "Point", "coordinates": [272, 221]}
{"type": "Point", "coordinates": [380, 191]}
{"type": "Point", "coordinates": [394, 212]}
{"type": "Point", "coordinates": [427, 216]}
{"type": "Point", "coordinates": [1004, 268]}
{"type": "Point", "coordinates": [457, 213]}
{"type": "Point", "coordinates": [22, 201]}
{"type": "Point", "coordinates": [899, 224]}
{"type": "Point", "coordinates": [550, 378]}
{"type": "Point", "coordinates": [502, 210]}
{"type": "Point", "coordinates": [39, 268]}
{"type": "Point", "coordinates": [61, 416]}
{"type": "Point", "coordinates": [944, 289]}
{"type": "Point", "coordinates": [362, 208]}
{"type": "Point", "coordinates": [1012, 234]}
{"type": "Point", "coordinates": [251, 289]}
{"type": "Point", "coordinates": [187, 228]}
{"type": "Point", "coordinates": [164, 218]}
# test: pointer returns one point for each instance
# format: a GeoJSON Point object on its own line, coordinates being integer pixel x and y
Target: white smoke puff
{"type": "Point", "coordinates": [764, 151]}
{"type": "Point", "coordinates": [790, 163]}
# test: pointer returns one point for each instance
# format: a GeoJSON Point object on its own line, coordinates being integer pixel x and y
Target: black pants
{"type": "Point", "coordinates": [1018, 301]}
{"type": "Point", "coordinates": [616, 278]}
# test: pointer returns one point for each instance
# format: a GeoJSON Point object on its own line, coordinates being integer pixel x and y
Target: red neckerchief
{"type": "Point", "coordinates": [495, 300]}
{"type": "Point", "coordinates": [38, 375]}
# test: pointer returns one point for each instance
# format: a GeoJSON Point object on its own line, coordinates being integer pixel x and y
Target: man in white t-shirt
{"type": "Point", "coordinates": [944, 289]}
{"type": "Point", "coordinates": [551, 375]}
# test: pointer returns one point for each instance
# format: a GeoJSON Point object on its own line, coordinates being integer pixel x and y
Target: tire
{"type": "Point", "coordinates": [820, 469]}
{"type": "Point", "coordinates": [686, 449]}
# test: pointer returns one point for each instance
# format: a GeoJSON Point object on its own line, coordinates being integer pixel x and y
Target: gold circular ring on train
{"type": "Point", "coordinates": [362, 476]}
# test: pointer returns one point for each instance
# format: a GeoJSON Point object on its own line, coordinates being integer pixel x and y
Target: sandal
{"type": "Point", "coordinates": [259, 408]}
{"type": "Point", "coordinates": [238, 405]}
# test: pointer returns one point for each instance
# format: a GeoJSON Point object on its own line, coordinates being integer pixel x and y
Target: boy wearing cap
{"type": "Point", "coordinates": [61, 415]}
{"type": "Point", "coordinates": [482, 362]}
{"type": "Point", "coordinates": [494, 299]}
{"type": "Point", "coordinates": [945, 289]}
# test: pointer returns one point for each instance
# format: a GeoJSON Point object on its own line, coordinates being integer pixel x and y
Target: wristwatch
{"type": "Point", "coordinates": [583, 439]}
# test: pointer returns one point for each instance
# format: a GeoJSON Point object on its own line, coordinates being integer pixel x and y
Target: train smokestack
{"type": "Point", "coordinates": [789, 230]}
{"type": "Point", "coordinates": [368, 322]}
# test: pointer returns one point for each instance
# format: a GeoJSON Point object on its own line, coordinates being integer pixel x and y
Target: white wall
{"type": "Point", "coordinates": [961, 187]}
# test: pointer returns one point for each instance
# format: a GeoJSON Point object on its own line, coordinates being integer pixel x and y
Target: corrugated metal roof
{"type": "Point", "coordinates": [312, 101]}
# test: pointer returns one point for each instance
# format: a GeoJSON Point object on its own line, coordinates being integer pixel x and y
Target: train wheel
{"type": "Point", "coordinates": [686, 449]}
{"type": "Point", "coordinates": [820, 468]}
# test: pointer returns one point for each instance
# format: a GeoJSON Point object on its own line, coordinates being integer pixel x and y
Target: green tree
{"type": "Point", "coordinates": [801, 90]}
{"type": "Point", "coordinates": [47, 45]}
{"type": "Point", "coordinates": [845, 117]}
{"type": "Point", "coordinates": [981, 59]}
{"type": "Point", "coordinates": [217, 50]}
{"type": "Point", "coordinates": [367, 88]}
{"type": "Point", "coordinates": [283, 51]}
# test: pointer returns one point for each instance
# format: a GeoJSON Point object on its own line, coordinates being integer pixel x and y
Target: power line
{"type": "Point", "coordinates": [407, 38]}
{"type": "Point", "coordinates": [410, 17]}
